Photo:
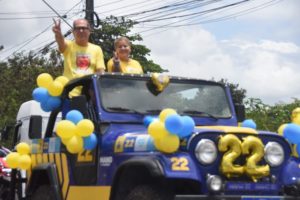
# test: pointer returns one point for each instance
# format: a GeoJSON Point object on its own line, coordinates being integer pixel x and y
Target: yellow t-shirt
{"type": "Point", "coordinates": [79, 61]}
{"type": "Point", "coordinates": [130, 67]}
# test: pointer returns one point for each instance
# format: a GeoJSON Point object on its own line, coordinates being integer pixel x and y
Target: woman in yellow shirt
{"type": "Point", "coordinates": [121, 62]}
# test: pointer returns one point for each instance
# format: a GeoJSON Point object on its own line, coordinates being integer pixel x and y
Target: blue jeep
{"type": "Point", "coordinates": [219, 160]}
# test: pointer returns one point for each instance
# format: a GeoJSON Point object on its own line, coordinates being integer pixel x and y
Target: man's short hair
{"type": "Point", "coordinates": [88, 23]}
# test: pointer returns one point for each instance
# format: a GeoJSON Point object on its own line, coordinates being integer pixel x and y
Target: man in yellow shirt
{"type": "Point", "coordinates": [80, 56]}
{"type": "Point", "coordinates": [121, 62]}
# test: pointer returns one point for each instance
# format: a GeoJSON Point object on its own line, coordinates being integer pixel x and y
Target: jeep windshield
{"type": "Point", "coordinates": [188, 97]}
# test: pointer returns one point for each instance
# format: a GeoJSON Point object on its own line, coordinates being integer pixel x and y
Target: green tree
{"type": "Point", "coordinates": [18, 78]}
{"type": "Point", "coordinates": [270, 117]}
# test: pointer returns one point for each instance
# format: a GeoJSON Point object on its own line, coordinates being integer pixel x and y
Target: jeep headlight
{"type": "Point", "coordinates": [274, 154]}
{"type": "Point", "coordinates": [206, 151]}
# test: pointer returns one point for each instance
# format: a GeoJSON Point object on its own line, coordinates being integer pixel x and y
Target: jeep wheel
{"type": "Point", "coordinates": [44, 192]}
{"type": "Point", "coordinates": [150, 192]}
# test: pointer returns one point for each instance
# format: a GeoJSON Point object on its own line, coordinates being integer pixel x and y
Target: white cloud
{"type": "Point", "coordinates": [280, 47]}
{"type": "Point", "coordinates": [263, 68]}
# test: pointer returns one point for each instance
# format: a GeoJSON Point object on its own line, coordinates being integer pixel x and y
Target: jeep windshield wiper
{"type": "Point", "coordinates": [156, 111]}
{"type": "Point", "coordinates": [121, 109]}
{"type": "Point", "coordinates": [200, 113]}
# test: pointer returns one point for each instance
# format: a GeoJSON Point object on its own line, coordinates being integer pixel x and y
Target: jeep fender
{"type": "Point", "coordinates": [180, 166]}
{"type": "Point", "coordinates": [151, 164]}
{"type": "Point", "coordinates": [291, 172]}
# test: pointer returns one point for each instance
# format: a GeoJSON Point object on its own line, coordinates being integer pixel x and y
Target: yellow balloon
{"type": "Point", "coordinates": [165, 113]}
{"type": "Point", "coordinates": [44, 80]}
{"type": "Point", "coordinates": [65, 140]}
{"type": "Point", "coordinates": [23, 148]}
{"type": "Point", "coordinates": [55, 88]}
{"type": "Point", "coordinates": [12, 160]}
{"type": "Point", "coordinates": [157, 129]}
{"type": "Point", "coordinates": [157, 144]}
{"type": "Point", "coordinates": [296, 120]}
{"type": "Point", "coordinates": [296, 116]}
{"type": "Point", "coordinates": [65, 129]}
{"type": "Point", "coordinates": [62, 79]}
{"type": "Point", "coordinates": [85, 127]}
{"type": "Point", "coordinates": [75, 144]}
{"type": "Point", "coordinates": [281, 128]}
{"type": "Point", "coordinates": [169, 143]}
{"type": "Point", "coordinates": [24, 162]}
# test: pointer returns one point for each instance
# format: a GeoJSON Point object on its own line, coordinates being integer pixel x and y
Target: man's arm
{"type": "Point", "coordinates": [100, 66]}
{"type": "Point", "coordinates": [58, 36]}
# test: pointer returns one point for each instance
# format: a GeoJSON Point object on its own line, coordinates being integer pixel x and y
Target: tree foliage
{"type": "Point", "coordinates": [270, 117]}
{"type": "Point", "coordinates": [18, 78]}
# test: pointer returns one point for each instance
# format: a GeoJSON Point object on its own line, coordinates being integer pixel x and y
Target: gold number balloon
{"type": "Point", "coordinates": [255, 148]}
{"type": "Point", "coordinates": [252, 147]}
{"type": "Point", "coordinates": [231, 145]}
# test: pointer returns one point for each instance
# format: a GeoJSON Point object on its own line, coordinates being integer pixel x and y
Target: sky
{"type": "Point", "coordinates": [255, 44]}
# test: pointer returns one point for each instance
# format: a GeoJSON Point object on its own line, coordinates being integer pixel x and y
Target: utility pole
{"type": "Point", "coordinates": [89, 11]}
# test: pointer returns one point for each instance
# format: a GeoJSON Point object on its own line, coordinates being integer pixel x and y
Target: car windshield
{"type": "Point", "coordinates": [194, 98]}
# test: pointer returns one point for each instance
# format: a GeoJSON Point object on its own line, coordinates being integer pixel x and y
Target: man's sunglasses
{"type": "Point", "coordinates": [78, 28]}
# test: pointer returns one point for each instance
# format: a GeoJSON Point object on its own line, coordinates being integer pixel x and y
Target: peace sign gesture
{"type": "Point", "coordinates": [58, 36]}
{"type": "Point", "coordinates": [56, 28]}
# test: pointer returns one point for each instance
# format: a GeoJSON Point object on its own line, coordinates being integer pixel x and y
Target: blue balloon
{"type": "Point", "coordinates": [45, 107]}
{"type": "Point", "coordinates": [147, 120]}
{"type": "Point", "coordinates": [90, 142]}
{"type": "Point", "coordinates": [249, 123]}
{"type": "Point", "coordinates": [188, 127]}
{"type": "Point", "coordinates": [53, 102]}
{"type": "Point", "coordinates": [74, 116]}
{"type": "Point", "coordinates": [173, 123]}
{"type": "Point", "coordinates": [40, 94]}
{"type": "Point", "coordinates": [292, 133]}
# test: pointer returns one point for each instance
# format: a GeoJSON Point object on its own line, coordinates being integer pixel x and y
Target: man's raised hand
{"type": "Point", "coordinates": [56, 28]}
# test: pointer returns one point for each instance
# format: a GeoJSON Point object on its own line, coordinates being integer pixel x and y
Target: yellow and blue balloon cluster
{"type": "Point", "coordinates": [168, 129]}
{"type": "Point", "coordinates": [21, 158]}
{"type": "Point", "coordinates": [76, 132]}
{"type": "Point", "coordinates": [291, 131]}
{"type": "Point", "coordinates": [48, 91]}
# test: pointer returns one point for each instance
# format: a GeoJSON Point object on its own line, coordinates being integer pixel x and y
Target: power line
{"type": "Point", "coordinates": [199, 13]}
{"type": "Point", "coordinates": [222, 18]}
{"type": "Point", "coordinates": [26, 42]}
{"type": "Point", "coordinates": [56, 12]}
{"type": "Point", "coordinates": [24, 18]}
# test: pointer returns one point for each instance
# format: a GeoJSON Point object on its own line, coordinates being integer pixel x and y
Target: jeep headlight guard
{"type": "Point", "coordinates": [206, 151]}
{"type": "Point", "coordinates": [274, 154]}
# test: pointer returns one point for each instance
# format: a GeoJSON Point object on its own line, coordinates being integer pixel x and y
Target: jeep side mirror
{"type": "Point", "coordinates": [35, 127]}
{"type": "Point", "coordinates": [240, 112]}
